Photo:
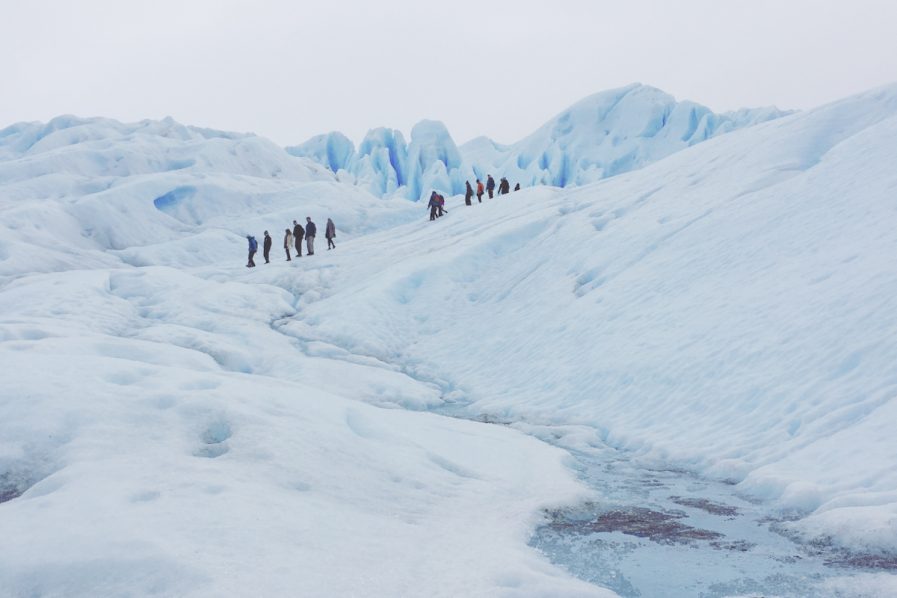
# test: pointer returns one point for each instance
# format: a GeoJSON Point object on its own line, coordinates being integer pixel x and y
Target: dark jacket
{"type": "Point", "coordinates": [330, 230]}
{"type": "Point", "coordinates": [298, 231]}
{"type": "Point", "coordinates": [267, 242]}
{"type": "Point", "coordinates": [490, 183]}
{"type": "Point", "coordinates": [310, 229]}
{"type": "Point", "coordinates": [469, 192]}
{"type": "Point", "coordinates": [253, 244]}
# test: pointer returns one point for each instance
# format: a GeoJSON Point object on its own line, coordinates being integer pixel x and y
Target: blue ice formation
{"type": "Point", "coordinates": [600, 136]}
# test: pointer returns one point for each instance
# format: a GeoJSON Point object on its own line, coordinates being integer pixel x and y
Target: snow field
{"type": "Point", "coordinates": [167, 457]}
{"type": "Point", "coordinates": [177, 424]}
{"type": "Point", "coordinates": [163, 435]}
{"type": "Point", "coordinates": [729, 310]}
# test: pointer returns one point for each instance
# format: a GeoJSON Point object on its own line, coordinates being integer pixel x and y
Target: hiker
{"type": "Point", "coordinates": [468, 193]}
{"type": "Point", "coordinates": [504, 187]}
{"type": "Point", "coordinates": [330, 233]}
{"type": "Point", "coordinates": [287, 243]}
{"type": "Point", "coordinates": [267, 247]}
{"type": "Point", "coordinates": [479, 191]}
{"type": "Point", "coordinates": [433, 205]}
{"type": "Point", "coordinates": [517, 187]}
{"type": "Point", "coordinates": [253, 247]}
{"type": "Point", "coordinates": [310, 230]}
{"type": "Point", "coordinates": [298, 233]}
{"type": "Point", "coordinates": [440, 205]}
{"type": "Point", "coordinates": [490, 185]}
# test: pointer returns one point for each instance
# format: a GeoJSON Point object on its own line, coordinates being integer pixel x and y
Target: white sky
{"type": "Point", "coordinates": [292, 69]}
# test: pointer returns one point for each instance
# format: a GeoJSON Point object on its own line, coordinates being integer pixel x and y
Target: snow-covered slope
{"type": "Point", "coordinates": [161, 435]}
{"type": "Point", "coordinates": [731, 310]}
{"type": "Point", "coordinates": [74, 188]}
{"type": "Point", "coordinates": [176, 424]}
{"type": "Point", "coordinates": [603, 135]}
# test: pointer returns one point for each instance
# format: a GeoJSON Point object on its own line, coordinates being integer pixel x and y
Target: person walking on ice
{"type": "Point", "coordinates": [468, 193]}
{"type": "Point", "coordinates": [287, 243]}
{"type": "Point", "coordinates": [479, 191]}
{"type": "Point", "coordinates": [310, 230]}
{"type": "Point", "coordinates": [490, 185]}
{"type": "Point", "coordinates": [330, 233]}
{"type": "Point", "coordinates": [433, 205]}
{"type": "Point", "coordinates": [253, 247]}
{"type": "Point", "coordinates": [267, 247]}
{"type": "Point", "coordinates": [298, 233]}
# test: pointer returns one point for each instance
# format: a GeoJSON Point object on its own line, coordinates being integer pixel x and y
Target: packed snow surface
{"type": "Point", "coordinates": [605, 134]}
{"type": "Point", "coordinates": [163, 434]}
{"type": "Point", "coordinates": [731, 309]}
{"type": "Point", "coordinates": [177, 424]}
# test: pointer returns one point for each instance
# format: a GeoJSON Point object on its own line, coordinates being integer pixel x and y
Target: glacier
{"type": "Point", "coordinates": [603, 135]}
{"type": "Point", "coordinates": [397, 417]}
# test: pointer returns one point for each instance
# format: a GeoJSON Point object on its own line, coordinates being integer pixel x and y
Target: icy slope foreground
{"type": "Point", "coordinates": [72, 189]}
{"type": "Point", "coordinates": [731, 310]}
{"type": "Point", "coordinates": [159, 439]}
{"type": "Point", "coordinates": [603, 135]}
{"type": "Point", "coordinates": [160, 434]}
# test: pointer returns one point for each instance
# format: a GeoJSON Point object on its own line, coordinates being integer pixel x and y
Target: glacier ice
{"type": "Point", "coordinates": [728, 309]}
{"type": "Point", "coordinates": [603, 135]}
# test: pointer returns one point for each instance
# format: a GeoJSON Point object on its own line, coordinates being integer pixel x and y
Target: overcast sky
{"type": "Point", "coordinates": [291, 69]}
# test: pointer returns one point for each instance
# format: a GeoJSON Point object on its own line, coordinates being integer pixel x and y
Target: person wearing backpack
{"type": "Point", "coordinates": [433, 205]}
{"type": "Point", "coordinates": [468, 193]}
{"type": "Point", "coordinates": [287, 243]}
{"type": "Point", "coordinates": [253, 247]}
{"type": "Point", "coordinates": [267, 247]}
{"type": "Point", "coordinates": [440, 205]}
{"type": "Point", "coordinates": [298, 233]}
{"type": "Point", "coordinates": [479, 191]}
{"type": "Point", "coordinates": [310, 231]}
{"type": "Point", "coordinates": [330, 233]}
{"type": "Point", "coordinates": [504, 187]}
{"type": "Point", "coordinates": [490, 185]}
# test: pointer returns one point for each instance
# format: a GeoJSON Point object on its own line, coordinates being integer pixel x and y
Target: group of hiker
{"type": "Point", "coordinates": [504, 187]}
{"type": "Point", "coordinates": [437, 201]}
{"type": "Point", "coordinates": [293, 239]}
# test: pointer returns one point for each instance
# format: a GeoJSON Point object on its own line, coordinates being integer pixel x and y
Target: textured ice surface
{"type": "Point", "coordinates": [602, 135]}
{"type": "Point", "coordinates": [730, 310]}
{"type": "Point", "coordinates": [667, 533]}
{"type": "Point", "coordinates": [175, 423]}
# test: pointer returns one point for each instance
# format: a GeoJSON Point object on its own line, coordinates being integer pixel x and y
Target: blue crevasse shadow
{"type": "Point", "coordinates": [174, 198]}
